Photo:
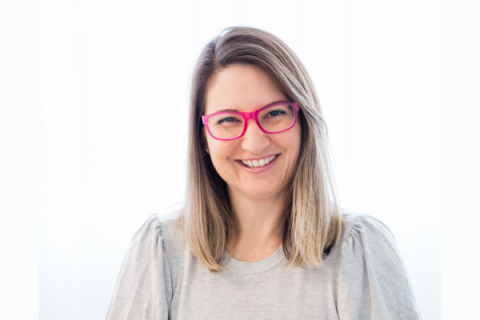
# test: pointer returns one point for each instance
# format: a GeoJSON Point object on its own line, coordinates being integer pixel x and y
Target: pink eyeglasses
{"type": "Point", "coordinates": [274, 118]}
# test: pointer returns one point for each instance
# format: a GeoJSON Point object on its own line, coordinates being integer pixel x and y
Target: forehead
{"type": "Point", "coordinates": [242, 88]}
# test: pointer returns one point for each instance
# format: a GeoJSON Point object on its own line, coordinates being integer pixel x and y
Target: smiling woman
{"type": "Point", "coordinates": [261, 235]}
{"type": "Point", "coordinates": [254, 190]}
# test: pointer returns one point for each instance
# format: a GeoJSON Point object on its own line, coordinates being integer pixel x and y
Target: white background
{"type": "Point", "coordinates": [99, 91]}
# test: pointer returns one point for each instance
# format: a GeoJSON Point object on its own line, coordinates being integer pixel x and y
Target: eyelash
{"type": "Point", "coordinates": [279, 111]}
{"type": "Point", "coordinates": [225, 120]}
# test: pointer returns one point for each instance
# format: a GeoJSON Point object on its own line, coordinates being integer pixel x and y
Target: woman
{"type": "Point", "coordinates": [261, 235]}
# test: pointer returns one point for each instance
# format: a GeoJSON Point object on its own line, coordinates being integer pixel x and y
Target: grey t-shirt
{"type": "Point", "coordinates": [363, 277]}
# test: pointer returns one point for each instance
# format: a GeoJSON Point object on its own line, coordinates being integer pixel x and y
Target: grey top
{"type": "Point", "coordinates": [363, 277]}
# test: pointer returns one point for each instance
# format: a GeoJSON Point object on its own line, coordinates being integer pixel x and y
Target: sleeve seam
{"type": "Point", "coordinates": [350, 232]}
{"type": "Point", "coordinates": [165, 258]}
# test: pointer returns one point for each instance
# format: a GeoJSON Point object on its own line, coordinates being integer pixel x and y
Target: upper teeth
{"type": "Point", "coordinates": [258, 163]}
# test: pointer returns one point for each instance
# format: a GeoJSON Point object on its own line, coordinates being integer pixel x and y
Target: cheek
{"type": "Point", "coordinates": [291, 141]}
{"type": "Point", "coordinates": [292, 144]}
{"type": "Point", "coordinates": [220, 152]}
{"type": "Point", "coordinates": [297, 139]}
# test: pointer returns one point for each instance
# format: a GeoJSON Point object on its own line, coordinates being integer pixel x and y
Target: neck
{"type": "Point", "coordinates": [261, 223]}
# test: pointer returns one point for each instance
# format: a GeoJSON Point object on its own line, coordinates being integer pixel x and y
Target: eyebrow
{"type": "Point", "coordinates": [236, 110]}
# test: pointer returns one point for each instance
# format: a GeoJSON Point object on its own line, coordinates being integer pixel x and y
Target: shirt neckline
{"type": "Point", "coordinates": [237, 266]}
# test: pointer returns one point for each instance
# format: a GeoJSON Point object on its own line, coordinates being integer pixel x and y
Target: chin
{"type": "Point", "coordinates": [261, 191]}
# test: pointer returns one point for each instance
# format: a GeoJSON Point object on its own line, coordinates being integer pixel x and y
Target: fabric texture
{"type": "Point", "coordinates": [363, 277]}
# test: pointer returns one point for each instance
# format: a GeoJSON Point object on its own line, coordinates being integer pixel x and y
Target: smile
{"type": "Point", "coordinates": [258, 162]}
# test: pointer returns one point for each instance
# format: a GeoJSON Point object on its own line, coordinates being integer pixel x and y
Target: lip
{"type": "Point", "coordinates": [260, 169]}
{"type": "Point", "coordinates": [259, 158]}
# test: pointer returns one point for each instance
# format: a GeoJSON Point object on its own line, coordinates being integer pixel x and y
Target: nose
{"type": "Point", "coordinates": [254, 140]}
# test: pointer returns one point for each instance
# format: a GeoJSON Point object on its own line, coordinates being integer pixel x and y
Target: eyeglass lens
{"type": "Point", "coordinates": [272, 119]}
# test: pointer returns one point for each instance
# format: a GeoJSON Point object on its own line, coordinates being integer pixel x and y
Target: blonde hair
{"type": "Point", "coordinates": [313, 222]}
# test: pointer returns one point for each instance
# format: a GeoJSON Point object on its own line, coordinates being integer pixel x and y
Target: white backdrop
{"type": "Point", "coordinates": [114, 86]}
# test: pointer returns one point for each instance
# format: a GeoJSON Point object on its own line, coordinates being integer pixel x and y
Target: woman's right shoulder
{"type": "Point", "coordinates": [164, 230]}
{"type": "Point", "coordinates": [151, 267]}
{"type": "Point", "coordinates": [164, 235]}
{"type": "Point", "coordinates": [172, 236]}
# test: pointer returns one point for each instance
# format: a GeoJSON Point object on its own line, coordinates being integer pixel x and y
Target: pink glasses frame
{"type": "Point", "coordinates": [252, 115]}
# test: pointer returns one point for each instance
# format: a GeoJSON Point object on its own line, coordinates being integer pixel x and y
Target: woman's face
{"type": "Point", "coordinates": [246, 88]}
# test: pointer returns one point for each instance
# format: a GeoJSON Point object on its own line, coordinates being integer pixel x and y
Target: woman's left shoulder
{"type": "Point", "coordinates": [367, 238]}
{"type": "Point", "coordinates": [371, 277]}
{"type": "Point", "coordinates": [363, 227]}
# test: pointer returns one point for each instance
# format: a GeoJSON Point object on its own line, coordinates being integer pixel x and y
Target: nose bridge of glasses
{"type": "Point", "coordinates": [256, 123]}
{"type": "Point", "coordinates": [248, 116]}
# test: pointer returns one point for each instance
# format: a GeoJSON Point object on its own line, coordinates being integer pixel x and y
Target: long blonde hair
{"type": "Point", "coordinates": [313, 222]}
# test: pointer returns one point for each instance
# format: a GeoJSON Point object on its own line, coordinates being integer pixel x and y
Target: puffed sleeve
{"type": "Point", "coordinates": [143, 288]}
{"type": "Point", "coordinates": [372, 280]}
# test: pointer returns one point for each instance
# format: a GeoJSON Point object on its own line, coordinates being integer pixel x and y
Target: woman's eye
{"type": "Point", "coordinates": [277, 113]}
{"type": "Point", "coordinates": [229, 119]}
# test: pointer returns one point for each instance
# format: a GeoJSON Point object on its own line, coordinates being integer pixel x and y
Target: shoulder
{"type": "Point", "coordinates": [172, 238]}
{"type": "Point", "coordinates": [366, 239]}
{"type": "Point", "coordinates": [149, 233]}
{"type": "Point", "coordinates": [144, 284]}
{"type": "Point", "coordinates": [161, 234]}
{"type": "Point", "coordinates": [175, 248]}
{"type": "Point", "coordinates": [372, 279]}
{"type": "Point", "coordinates": [360, 226]}
{"type": "Point", "coordinates": [158, 240]}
